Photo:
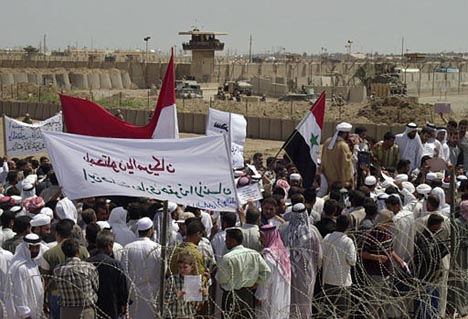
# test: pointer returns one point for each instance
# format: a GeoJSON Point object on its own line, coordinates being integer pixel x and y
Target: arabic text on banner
{"type": "Point", "coordinates": [26, 139]}
{"type": "Point", "coordinates": [191, 171]}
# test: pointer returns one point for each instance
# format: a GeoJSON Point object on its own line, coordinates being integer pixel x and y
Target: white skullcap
{"type": "Point", "coordinates": [423, 189]}
{"type": "Point", "coordinates": [431, 176]}
{"type": "Point", "coordinates": [461, 177]}
{"type": "Point", "coordinates": [298, 208]}
{"type": "Point", "coordinates": [144, 224]}
{"type": "Point", "coordinates": [104, 224]}
{"type": "Point", "coordinates": [32, 239]}
{"type": "Point", "coordinates": [401, 178]}
{"type": "Point", "coordinates": [16, 209]}
{"type": "Point", "coordinates": [342, 127]}
{"type": "Point", "coordinates": [370, 180]}
{"type": "Point", "coordinates": [295, 177]}
{"type": "Point", "coordinates": [40, 220]}
{"type": "Point", "coordinates": [16, 199]}
{"type": "Point", "coordinates": [47, 211]}
{"type": "Point", "coordinates": [439, 175]}
{"type": "Point", "coordinates": [412, 125]}
{"type": "Point", "coordinates": [408, 186]}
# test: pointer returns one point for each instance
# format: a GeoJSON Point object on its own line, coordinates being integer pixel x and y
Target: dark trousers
{"type": "Point", "coordinates": [239, 303]}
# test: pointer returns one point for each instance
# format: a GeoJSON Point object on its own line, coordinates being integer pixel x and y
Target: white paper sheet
{"type": "Point", "coordinates": [192, 286]}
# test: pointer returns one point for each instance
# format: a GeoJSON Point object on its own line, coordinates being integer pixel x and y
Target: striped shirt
{"type": "Point", "coordinates": [386, 158]}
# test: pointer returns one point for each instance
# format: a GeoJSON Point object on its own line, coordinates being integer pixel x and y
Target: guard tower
{"type": "Point", "coordinates": [203, 45]}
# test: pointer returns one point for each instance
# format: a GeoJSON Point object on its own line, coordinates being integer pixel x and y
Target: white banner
{"type": "Point", "coordinates": [190, 171]}
{"type": "Point", "coordinates": [234, 126]}
{"type": "Point", "coordinates": [26, 139]}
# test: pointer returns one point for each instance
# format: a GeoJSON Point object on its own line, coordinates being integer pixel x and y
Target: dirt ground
{"type": "Point", "coordinates": [384, 110]}
{"type": "Point", "coordinates": [387, 110]}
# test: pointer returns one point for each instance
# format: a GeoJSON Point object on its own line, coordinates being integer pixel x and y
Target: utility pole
{"type": "Point", "coordinates": [402, 47]}
{"type": "Point", "coordinates": [250, 49]}
{"type": "Point", "coordinates": [45, 43]}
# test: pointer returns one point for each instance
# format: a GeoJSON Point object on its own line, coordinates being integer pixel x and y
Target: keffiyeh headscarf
{"type": "Point", "coordinates": [274, 246]}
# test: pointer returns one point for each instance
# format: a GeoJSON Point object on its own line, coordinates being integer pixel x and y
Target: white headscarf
{"type": "Point", "coordinates": [444, 208]}
{"type": "Point", "coordinates": [342, 127]}
{"type": "Point", "coordinates": [408, 146]}
{"type": "Point", "coordinates": [118, 222]}
{"type": "Point", "coordinates": [23, 255]}
{"type": "Point", "coordinates": [65, 209]}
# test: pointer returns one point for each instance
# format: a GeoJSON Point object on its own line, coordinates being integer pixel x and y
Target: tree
{"type": "Point", "coordinates": [30, 50]}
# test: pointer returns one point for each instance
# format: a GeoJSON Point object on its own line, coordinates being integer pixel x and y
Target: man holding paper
{"type": "Point", "coordinates": [239, 272]}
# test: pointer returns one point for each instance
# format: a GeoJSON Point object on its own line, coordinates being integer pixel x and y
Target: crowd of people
{"type": "Point", "coordinates": [374, 236]}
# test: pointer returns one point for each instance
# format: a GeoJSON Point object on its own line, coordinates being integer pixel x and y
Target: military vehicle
{"type": "Point", "coordinates": [383, 80]}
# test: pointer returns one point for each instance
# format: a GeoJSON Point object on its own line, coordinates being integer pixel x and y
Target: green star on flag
{"type": "Point", "coordinates": [314, 140]}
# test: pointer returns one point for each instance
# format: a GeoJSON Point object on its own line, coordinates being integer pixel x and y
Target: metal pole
{"type": "Point", "coordinates": [148, 100]}
{"type": "Point", "coordinates": [163, 242]}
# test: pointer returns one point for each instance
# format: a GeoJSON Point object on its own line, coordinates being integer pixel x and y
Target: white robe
{"type": "Point", "coordinates": [275, 294]}
{"type": "Point", "coordinates": [403, 232]}
{"type": "Point", "coordinates": [27, 287]}
{"type": "Point", "coordinates": [304, 268]}
{"type": "Point", "coordinates": [142, 264]}
{"type": "Point", "coordinates": [410, 149]}
{"type": "Point", "coordinates": [6, 307]}
{"type": "Point", "coordinates": [118, 221]}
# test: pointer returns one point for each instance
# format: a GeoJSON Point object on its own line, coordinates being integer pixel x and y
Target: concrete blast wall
{"type": "Point", "coordinates": [81, 79]}
{"type": "Point", "coordinates": [267, 87]}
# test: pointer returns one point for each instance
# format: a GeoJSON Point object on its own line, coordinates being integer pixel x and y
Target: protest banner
{"type": "Point", "coordinates": [26, 139]}
{"type": "Point", "coordinates": [234, 126]}
{"type": "Point", "coordinates": [192, 171]}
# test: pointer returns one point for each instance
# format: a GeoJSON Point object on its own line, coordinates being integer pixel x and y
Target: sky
{"type": "Point", "coordinates": [298, 26]}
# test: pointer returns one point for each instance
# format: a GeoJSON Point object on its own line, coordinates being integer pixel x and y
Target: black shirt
{"type": "Point", "coordinates": [113, 290]}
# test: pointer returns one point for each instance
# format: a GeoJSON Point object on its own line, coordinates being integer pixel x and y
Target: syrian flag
{"type": "Point", "coordinates": [85, 117]}
{"type": "Point", "coordinates": [303, 146]}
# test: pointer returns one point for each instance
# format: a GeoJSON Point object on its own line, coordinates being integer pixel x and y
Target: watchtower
{"type": "Point", "coordinates": [203, 45]}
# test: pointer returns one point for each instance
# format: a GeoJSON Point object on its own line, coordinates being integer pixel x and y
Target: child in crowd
{"type": "Point", "coordinates": [174, 303]}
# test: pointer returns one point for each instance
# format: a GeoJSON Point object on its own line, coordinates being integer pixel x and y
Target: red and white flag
{"type": "Point", "coordinates": [85, 117]}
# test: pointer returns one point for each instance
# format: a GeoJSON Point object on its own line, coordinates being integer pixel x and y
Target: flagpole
{"type": "Point", "coordinates": [293, 134]}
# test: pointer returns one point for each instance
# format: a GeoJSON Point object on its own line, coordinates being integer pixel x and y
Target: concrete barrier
{"type": "Point", "coordinates": [258, 128]}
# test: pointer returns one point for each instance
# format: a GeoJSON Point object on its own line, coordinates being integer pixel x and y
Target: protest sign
{"type": "Point", "coordinates": [443, 108]}
{"type": "Point", "coordinates": [26, 139]}
{"type": "Point", "coordinates": [234, 126]}
{"type": "Point", "coordinates": [249, 192]}
{"type": "Point", "coordinates": [191, 171]}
